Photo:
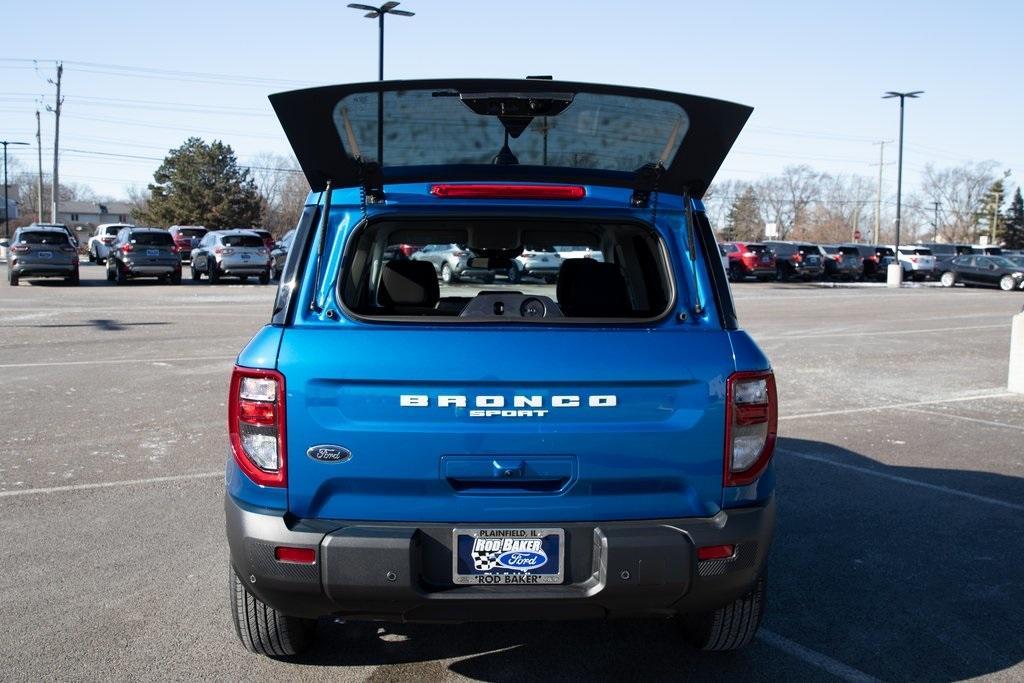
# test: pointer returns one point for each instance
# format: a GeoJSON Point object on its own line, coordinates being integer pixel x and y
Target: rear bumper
{"type": "Point", "coordinates": [22, 269]}
{"type": "Point", "coordinates": [151, 269]}
{"type": "Point", "coordinates": [402, 572]}
{"type": "Point", "coordinates": [240, 267]}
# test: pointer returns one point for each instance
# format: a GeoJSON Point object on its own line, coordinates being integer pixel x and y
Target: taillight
{"type": "Point", "coordinates": [125, 248]}
{"type": "Point", "coordinates": [750, 425]}
{"type": "Point", "coordinates": [21, 249]}
{"type": "Point", "coordinates": [501, 191]}
{"type": "Point", "coordinates": [262, 252]}
{"type": "Point", "coordinates": [797, 257]}
{"type": "Point", "coordinates": [69, 250]}
{"type": "Point", "coordinates": [107, 240]}
{"type": "Point", "coordinates": [749, 254]}
{"type": "Point", "coordinates": [256, 424]}
{"type": "Point", "coordinates": [175, 248]}
{"type": "Point", "coordinates": [224, 251]}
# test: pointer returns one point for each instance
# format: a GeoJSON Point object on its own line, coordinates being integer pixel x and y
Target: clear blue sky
{"type": "Point", "coordinates": [814, 71]}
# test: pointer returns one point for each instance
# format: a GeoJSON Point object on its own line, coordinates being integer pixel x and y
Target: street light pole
{"type": "Point", "coordinates": [378, 14]}
{"type": "Point", "coordinates": [899, 163]}
{"type": "Point", "coordinates": [7, 201]}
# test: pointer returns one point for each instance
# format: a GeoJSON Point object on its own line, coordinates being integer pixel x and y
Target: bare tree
{"type": "Point", "coordinates": [283, 190]}
{"type": "Point", "coordinates": [960, 191]}
{"type": "Point", "coordinates": [785, 199]}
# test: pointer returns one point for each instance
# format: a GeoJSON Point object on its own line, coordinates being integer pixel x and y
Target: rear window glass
{"type": "Point", "coordinates": [191, 232]}
{"type": "Point", "coordinates": [503, 271]}
{"type": "Point", "coordinates": [152, 239]}
{"type": "Point", "coordinates": [43, 238]}
{"type": "Point", "coordinates": [782, 248]}
{"type": "Point", "coordinates": [755, 248]}
{"type": "Point", "coordinates": [242, 241]}
{"type": "Point", "coordinates": [944, 249]}
{"type": "Point", "coordinates": [832, 250]}
{"type": "Point", "coordinates": [810, 249]}
{"type": "Point", "coordinates": [884, 251]}
{"type": "Point", "coordinates": [581, 130]}
{"type": "Point", "coordinates": [111, 229]}
{"type": "Point", "coordinates": [730, 248]}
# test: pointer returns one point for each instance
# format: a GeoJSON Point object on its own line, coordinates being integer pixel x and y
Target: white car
{"type": "Point", "coordinates": [99, 243]}
{"type": "Point", "coordinates": [580, 252]}
{"type": "Point", "coordinates": [539, 262]}
{"type": "Point", "coordinates": [917, 262]}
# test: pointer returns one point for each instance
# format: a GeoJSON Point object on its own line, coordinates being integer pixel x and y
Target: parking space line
{"type": "Point", "coordinates": [114, 361]}
{"type": "Point", "coordinates": [929, 330]}
{"type": "Point", "coordinates": [110, 484]}
{"type": "Point", "coordinates": [976, 420]}
{"type": "Point", "coordinates": [895, 406]}
{"type": "Point", "coordinates": [814, 658]}
{"type": "Point", "coordinates": [905, 480]}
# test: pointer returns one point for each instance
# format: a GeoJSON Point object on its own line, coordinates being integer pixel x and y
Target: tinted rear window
{"type": "Point", "coordinates": [43, 238]}
{"type": "Point", "coordinates": [782, 248]}
{"type": "Point", "coordinates": [242, 241]}
{"type": "Point", "coordinates": [474, 271]}
{"type": "Point", "coordinates": [152, 239]}
{"type": "Point", "coordinates": [111, 229]}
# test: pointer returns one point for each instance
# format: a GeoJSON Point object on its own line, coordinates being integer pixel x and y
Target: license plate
{"type": "Point", "coordinates": [45, 254]}
{"type": "Point", "coordinates": [152, 252]}
{"type": "Point", "coordinates": [765, 259]}
{"type": "Point", "coordinates": [508, 556]}
{"type": "Point", "coordinates": [245, 257]}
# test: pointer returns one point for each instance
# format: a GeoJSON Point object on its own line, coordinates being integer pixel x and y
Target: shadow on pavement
{"type": "Point", "coordinates": [896, 580]}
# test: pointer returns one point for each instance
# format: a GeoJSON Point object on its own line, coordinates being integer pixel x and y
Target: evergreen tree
{"type": "Point", "coordinates": [989, 217]}
{"type": "Point", "coordinates": [202, 184]}
{"type": "Point", "coordinates": [743, 222]}
{"type": "Point", "coordinates": [1013, 225]}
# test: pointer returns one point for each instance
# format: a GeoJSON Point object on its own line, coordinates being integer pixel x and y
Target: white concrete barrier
{"type": "Point", "coordinates": [894, 275]}
{"type": "Point", "coordinates": [1015, 379]}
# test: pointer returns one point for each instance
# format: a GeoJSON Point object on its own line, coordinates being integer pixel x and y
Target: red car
{"type": "Point", "coordinates": [749, 259]}
{"type": "Point", "coordinates": [184, 235]}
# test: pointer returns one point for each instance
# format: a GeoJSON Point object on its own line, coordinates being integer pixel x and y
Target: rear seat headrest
{"type": "Point", "coordinates": [589, 288]}
{"type": "Point", "coordinates": [409, 284]}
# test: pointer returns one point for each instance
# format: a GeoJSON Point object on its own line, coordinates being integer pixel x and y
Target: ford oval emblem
{"type": "Point", "coordinates": [329, 453]}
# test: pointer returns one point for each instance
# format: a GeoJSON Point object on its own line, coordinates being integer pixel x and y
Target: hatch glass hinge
{"type": "Point", "coordinates": [372, 178]}
{"type": "Point", "coordinates": [645, 181]}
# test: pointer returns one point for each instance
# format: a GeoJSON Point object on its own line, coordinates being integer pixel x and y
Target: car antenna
{"type": "Point", "coordinates": [314, 300]}
{"type": "Point", "coordinates": [691, 236]}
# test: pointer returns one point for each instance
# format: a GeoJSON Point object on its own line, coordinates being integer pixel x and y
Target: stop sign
{"type": "Point", "coordinates": [856, 234]}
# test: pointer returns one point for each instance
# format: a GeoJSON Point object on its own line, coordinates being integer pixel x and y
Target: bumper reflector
{"type": "Point", "coordinates": [283, 553]}
{"type": "Point", "coordinates": [716, 552]}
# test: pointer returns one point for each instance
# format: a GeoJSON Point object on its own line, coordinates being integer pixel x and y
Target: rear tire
{"type": "Point", "coordinates": [72, 279]}
{"type": "Point", "coordinates": [262, 629]}
{"type": "Point", "coordinates": [948, 279]}
{"type": "Point", "coordinates": [120, 277]}
{"type": "Point", "coordinates": [1007, 283]}
{"type": "Point", "coordinates": [176, 277]}
{"type": "Point", "coordinates": [513, 274]}
{"type": "Point", "coordinates": [265, 277]}
{"type": "Point", "coordinates": [214, 272]}
{"type": "Point", "coordinates": [12, 278]}
{"type": "Point", "coordinates": [727, 628]}
{"type": "Point", "coordinates": [448, 275]}
{"type": "Point", "coordinates": [93, 258]}
{"type": "Point", "coordinates": [242, 279]}
{"type": "Point", "coordinates": [110, 273]}
{"type": "Point", "coordinates": [196, 273]}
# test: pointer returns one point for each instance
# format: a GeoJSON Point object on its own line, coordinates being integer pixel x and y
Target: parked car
{"type": "Point", "coordinates": [1016, 259]}
{"type": "Point", "coordinates": [231, 253]}
{"type": "Point", "coordinates": [918, 262]}
{"type": "Point", "coordinates": [868, 258]}
{"type": "Point", "coordinates": [72, 237]}
{"type": "Point", "coordinates": [453, 262]}
{"type": "Point", "coordinates": [944, 253]}
{"type": "Point", "coordinates": [143, 252]}
{"type": "Point", "coordinates": [843, 263]}
{"type": "Point", "coordinates": [266, 236]}
{"type": "Point", "coordinates": [535, 262]}
{"type": "Point", "coordinates": [985, 271]}
{"type": "Point", "coordinates": [602, 449]}
{"type": "Point", "coordinates": [40, 252]}
{"type": "Point", "coordinates": [100, 242]}
{"type": "Point", "coordinates": [185, 236]}
{"type": "Point", "coordinates": [797, 259]}
{"type": "Point", "coordinates": [749, 259]}
{"type": "Point", "coordinates": [570, 252]}
{"type": "Point", "coordinates": [986, 249]}
{"type": "Point", "coordinates": [279, 254]}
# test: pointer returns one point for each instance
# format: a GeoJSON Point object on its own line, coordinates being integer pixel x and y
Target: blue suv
{"type": "Point", "coordinates": [598, 443]}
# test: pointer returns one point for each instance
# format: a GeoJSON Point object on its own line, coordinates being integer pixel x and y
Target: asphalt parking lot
{"type": "Point", "coordinates": [901, 492]}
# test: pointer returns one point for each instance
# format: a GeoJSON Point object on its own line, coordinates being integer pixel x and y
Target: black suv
{"type": "Point", "coordinates": [797, 259]}
{"type": "Point", "coordinates": [843, 262]}
{"type": "Point", "coordinates": [144, 252]}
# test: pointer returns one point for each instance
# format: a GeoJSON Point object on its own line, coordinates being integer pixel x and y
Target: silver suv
{"type": "Point", "coordinates": [453, 262]}
{"type": "Point", "coordinates": [41, 252]}
{"type": "Point", "coordinates": [231, 253]}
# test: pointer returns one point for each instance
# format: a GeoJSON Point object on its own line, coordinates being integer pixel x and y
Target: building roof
{"type": "Point", "coordinates": [109, 208]}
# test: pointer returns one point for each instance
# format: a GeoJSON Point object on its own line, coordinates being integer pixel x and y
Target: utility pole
{"type": "Point", "coordinates": [995, 217]}
{"type": "Point", "coordinates": [935, 225]}
{"type": "Point", "coordinates": [39, 180]}
{"type": "Point", "coordinates": [55, 200]}
{"type": "Point", "coordinates": [878, 200]}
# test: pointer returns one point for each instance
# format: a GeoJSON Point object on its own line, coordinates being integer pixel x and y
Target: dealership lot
{"type": "Point", "coordinates": [901, 493]}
